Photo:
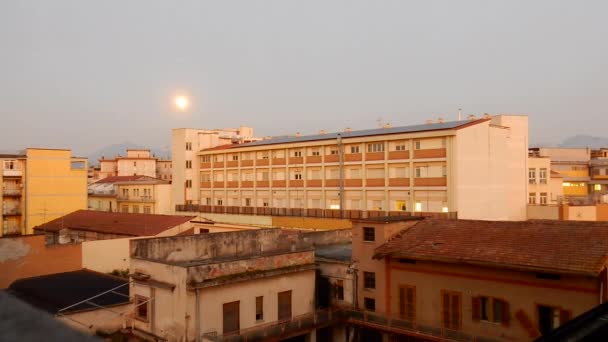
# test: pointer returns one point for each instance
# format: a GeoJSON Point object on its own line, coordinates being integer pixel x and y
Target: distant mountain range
{"type": "Point", "coordinates": [114, 150]}
{"type": "Point", "coordinates": [582, 140]}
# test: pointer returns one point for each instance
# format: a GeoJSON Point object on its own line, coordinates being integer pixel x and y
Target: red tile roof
{"type": "Point", "coordinates": [115, 223]}
{"type": "Point", "coordinates": [565, 247]}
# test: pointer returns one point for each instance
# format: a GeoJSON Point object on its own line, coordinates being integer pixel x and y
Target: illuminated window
{"type": "Point", "coordinates": [418, 206]}
{"type": "Point", "coordinates": [597, 187]}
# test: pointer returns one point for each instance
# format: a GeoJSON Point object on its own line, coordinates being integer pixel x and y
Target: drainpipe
{"type": "Point", "coordinates": [197, 315]}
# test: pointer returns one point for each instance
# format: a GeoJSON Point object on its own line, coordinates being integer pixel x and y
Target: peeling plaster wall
{"type": "Point", "coordinates": [197, 274]}
{"type": "Point", "coordinates": [27, 256]}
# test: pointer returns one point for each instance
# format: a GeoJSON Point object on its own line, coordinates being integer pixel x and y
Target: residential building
{"type": "Point", "coordinates": [475, 280]}
{"type": "Point", "coordinates": [137, 162]}
{"type": "Point", "coordinates": [598, 185]}
{"type": "Point", "coordinates": [88, 225]}
{"type": "Point", "coordinates": [39, 185]}
{"type": "Point", "coordinates": [589, 326]}
{"type": "Point", "coordinates": [572, 164]}
{"type": "Point", "coordinates": [214, 287]}
{"type": "Point", "coordinates": [84, 300]}
{"type": "Point", "coordinates": [131, 194]}
{"type": "Point", "coordinates": [544, 185]}
{"type": "Point", "coordinates": [185, 144]}
{"type": "Point", "coordinates": [467, 169]}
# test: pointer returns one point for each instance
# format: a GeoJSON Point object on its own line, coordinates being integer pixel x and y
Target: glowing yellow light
{"type": "Point", "coordinates": [181, 102]}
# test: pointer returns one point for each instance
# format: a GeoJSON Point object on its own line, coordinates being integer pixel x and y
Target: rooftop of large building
{"type": "Point", "coordinates": [563, 247]}
{"type": "Point", "coordinates": [136, 179]}
{"type": "Point", "coordinates": [114, 223]}
{"type": "Point", "coordinates": [355, 134]}
{"type": "Point", "coordinates": [59, 292]}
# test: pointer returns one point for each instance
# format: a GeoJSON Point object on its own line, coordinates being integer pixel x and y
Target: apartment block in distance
{"type": "Point", "coordinates": [137, 162]}
{"type": "Point", "coordinates": [39, 185]}
{"type": "Point", "coordinates": [473, 169]}
{"type": "Point", "coordinates": [468, 280]}
{"type": "Point", "coordinates": [185, 144]}
{"type": "Point", "coordinates": [131, 194]}
{"type": "Point", "coordinates": [573, 165]}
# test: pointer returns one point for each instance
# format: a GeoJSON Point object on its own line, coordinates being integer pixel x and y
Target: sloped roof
{"type": "Point", "coordinates": [115, 223]}
{"type": "Point", "coordinates": [565, 247]}
{"type": "Point", "coordinates": [355, 134]}
{"type": "Point", "coordinates": [57, 291]}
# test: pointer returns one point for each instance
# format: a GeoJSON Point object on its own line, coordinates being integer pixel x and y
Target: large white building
{"type": "Point", "coordinates": [474, 169]}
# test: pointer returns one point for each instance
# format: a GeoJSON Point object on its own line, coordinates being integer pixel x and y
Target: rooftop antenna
{"type": "Point", "coordinates": [459, 114]}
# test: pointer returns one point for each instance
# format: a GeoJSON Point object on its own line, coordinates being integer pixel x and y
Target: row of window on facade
{"type": "Point", "coordinates": [231, 312]}
{"type": "Point", "coordinates": [541, 199]}
{"type": "Point", "coordinates": [329, 150]}
{"type": "Point", "coordinates": [334, 204]}
{"type": "Point", "coordinates": [542, 176]}
{"type": "Point", "coordinates": [428, 171]}
{"type": "Point", "coordinates": [135, 209]}
{"type": "Point", "coordinates": [146, 193]}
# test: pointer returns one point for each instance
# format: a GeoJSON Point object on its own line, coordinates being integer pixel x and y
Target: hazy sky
{"type": "Point", "coordinates": [86, 74]}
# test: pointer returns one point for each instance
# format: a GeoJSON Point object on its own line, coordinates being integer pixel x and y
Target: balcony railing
{"type": "Point", "coordinates": [135, 198]}
{"type": "Point", "coordinates": [12, 172]}
{"type": "Point", "coordinates": [11, 230]}
{"type": "Point", "coordinates": [379, 321]}
{"type": "Point", "coordinates": [11, 192]}
{"type": "Point", "coordinates": [302, 212]}
{"type": "Point", "coordinates": [11, 211]}
{"type": "Point", "coordinates": [281, 329]}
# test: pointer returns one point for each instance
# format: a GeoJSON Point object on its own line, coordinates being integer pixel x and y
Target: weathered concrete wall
{"type": "Point", "coordinates": [106, 255]}
{"type": "Point", "coordinates": [207, 246]}
{"type": "Point", "coordinates": [328, 237]}
{"type": "Point", "coordinates": [310, 222]}
{"type": "Point", "coordinates": [93, 321]}
{"type": "Point", "coordinates": [543, 212]}
{"type": "Point", "coordinates": [197, 274]}
{"type": "Point", "coordinates": [27, 256]}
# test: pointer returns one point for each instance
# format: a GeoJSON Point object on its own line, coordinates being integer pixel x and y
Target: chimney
{"type": "Point", "coordinates": [348, 129]}
{"type": "Point", "coordinates": [487, 116]}
{"type": "Point", "coordinates": [440, 120]}
{"type": "Point", "coordinates": [322, 131]}
{"type": "Point", "coordinates": [387, 125]}
{"type": "Point", "coordinates": [298, 134]}
{"type": "Point", "coordinates": [471, 117]}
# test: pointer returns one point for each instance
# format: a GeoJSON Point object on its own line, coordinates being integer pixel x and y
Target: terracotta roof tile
{"type": "Point", "coordinates": [567, 247]}
{"type": "Point", "coordinates": [115, 223]}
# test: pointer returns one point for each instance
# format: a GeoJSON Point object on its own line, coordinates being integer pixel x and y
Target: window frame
{"type": "Point", "coordinates": [369, 232]}
{"type": "Point", "coordinates": [369, 280]}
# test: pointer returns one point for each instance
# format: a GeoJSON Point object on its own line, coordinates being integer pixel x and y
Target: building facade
{"type": "Point", "coordinates": [467, 280]}
{"type": "Point", "coordinates": [131, 194]}
{"type": "Point", "coordinates": [466, 169]}
{"type": "Point", "coordinates": [185, 144]}
{"type": "Point", "coordinates": [39, 185]}
{"type": "Point", "coordinates": [544, 185]}
{"type": "Point", "coordinates": [573, 165]}
{"type": "Point", "coordinates": [137, 162]}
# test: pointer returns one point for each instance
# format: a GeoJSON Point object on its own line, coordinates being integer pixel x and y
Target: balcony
{"type": "Point", "coordinates": [11, 192]}
{"type": "Point", "coordinates": [11, 230]}
{"type": "Point", "coordinates": [282, 329]}
{"type": "Point", "coordinates": [11, 211]}
{"type": "Point", "coordinates": [12, 172]}
{"type": "Point", "coordinates": [135, 198]}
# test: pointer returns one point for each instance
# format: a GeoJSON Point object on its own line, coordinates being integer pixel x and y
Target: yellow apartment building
{"type": "Point", "coordinates": [473, 169]}
{"type": "Point", "coordinates": [572, 164]}
{"type": "Point", "coordinates": [185, 144]}
{"type": "Point", "coordinates": [40, 185]}
{"type": "Point", "coordinates": [131, 194]}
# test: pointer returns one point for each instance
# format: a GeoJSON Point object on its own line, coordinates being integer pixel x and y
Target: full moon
{"type": "Point", "coordinates": [181, 102]}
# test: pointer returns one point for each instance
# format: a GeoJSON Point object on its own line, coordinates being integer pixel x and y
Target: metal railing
{"type": "Point", "coordinates": [11, 192]}
{"type": "Point", "coordinates": [307, 322]}
{"type": "Point", "coordinates": [134, 198]}
{"type": "Point", "coordinates": [11, 211]}
{"type": "Point", "coordinates": [301, 212]}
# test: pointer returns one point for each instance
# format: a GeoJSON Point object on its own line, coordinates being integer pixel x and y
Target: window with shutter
{"type": "Point", "coordinates": [284, 301]}
{"type": "Point", "coordinates": [231, 317]}
{"type": "Point", "coordinates": [407, 302]}
{"type": "Point", "coordinates": [451, 309]}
